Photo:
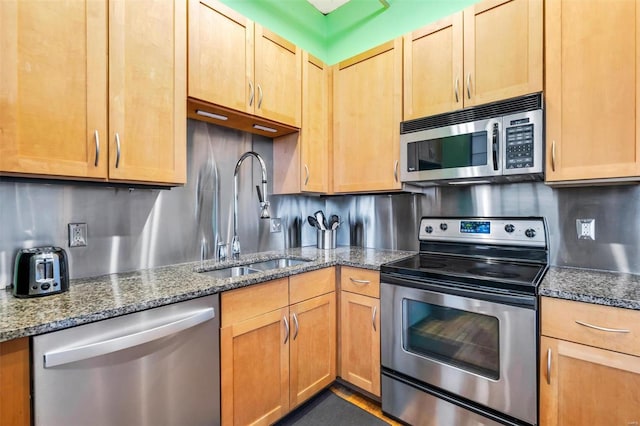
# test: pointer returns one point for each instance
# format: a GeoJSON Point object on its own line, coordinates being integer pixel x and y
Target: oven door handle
{"type": "Point", "coordinates": [527, 301]}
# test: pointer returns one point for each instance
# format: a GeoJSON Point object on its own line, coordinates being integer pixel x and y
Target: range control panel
{"type": "Point", "coordinates": [528, 232]}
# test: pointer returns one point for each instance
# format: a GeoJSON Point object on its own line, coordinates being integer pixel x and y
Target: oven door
{"type": "Point", "coordinates": [477, 349]}
{"type": "Point", "coordinates": [461, 151]}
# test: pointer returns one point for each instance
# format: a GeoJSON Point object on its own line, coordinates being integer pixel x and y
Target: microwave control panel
{"type": "Point", "coordinates": [519, 145]}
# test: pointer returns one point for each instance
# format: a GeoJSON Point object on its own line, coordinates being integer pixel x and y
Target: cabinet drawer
{"type": "Point", "coordinates": [622, 326]}
{"type": "Point", "coordinates": [248, 302]}
{"type": "Point", "coordinates": [311, 284]}
{"type": "Point", "coordinates": [361, 281]}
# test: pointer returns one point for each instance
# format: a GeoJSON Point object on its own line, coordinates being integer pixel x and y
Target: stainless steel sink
{"type": "Point", "coordinates": [265, 265]}
{"type": "Point", "coordinates": [234, 271]}
{"type": "Point", "coordinates": [282, 262]}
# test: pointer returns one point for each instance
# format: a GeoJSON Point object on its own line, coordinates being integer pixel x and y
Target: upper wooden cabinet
{"type": "Point", "coordinates": [316, 126]}
{"type": "Point", "coordinates": [238, 64]}
{"type": "Point", "coordinates": [87, 93]}
{"type": "Point", "coordinates": [302, 161]}
{"type": "Point", "coordinates": [367, 110]}
{"type": "Point", "coordinates": [489, 52]}
{"type": "Point", "coordinates": [147, 91]}
{"type": "Point", "coordinates": [53, 88]}
{"type": "Point", "coordinates": [592, 88]}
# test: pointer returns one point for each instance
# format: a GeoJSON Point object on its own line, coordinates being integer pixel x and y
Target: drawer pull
{"type": "Point", "coordinates": [610, 330]}
{"type": "Point", "coordinates": [360, 282]}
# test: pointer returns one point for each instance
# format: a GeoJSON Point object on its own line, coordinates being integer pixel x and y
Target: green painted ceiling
{"type": "Point", "coordinates": [352, 28]}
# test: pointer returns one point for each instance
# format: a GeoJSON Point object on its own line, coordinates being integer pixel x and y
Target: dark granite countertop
{"type": "Point", "coordinates": [590, 286]}
{"type": "Point", "coordinates": [97, 298]}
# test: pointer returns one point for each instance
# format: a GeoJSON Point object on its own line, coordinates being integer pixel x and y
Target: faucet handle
{"type": "Point", "coordinates": [222, 251]}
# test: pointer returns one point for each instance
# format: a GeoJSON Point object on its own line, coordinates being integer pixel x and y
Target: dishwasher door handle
{"type": "Point", "coordinates": [79, 353]}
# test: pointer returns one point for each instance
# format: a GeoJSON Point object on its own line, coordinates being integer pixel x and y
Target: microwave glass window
{"type": "Point", "coordinates": [463, 339]}
{"type": "Point", "coordinates": [448, 152]}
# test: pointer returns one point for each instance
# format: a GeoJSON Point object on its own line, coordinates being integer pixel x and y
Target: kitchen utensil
{"type": "Point", "coordinates": [334, 221]}
{"type": "Point", "coordinates": [326, 239]}
{"type": "Point", "coordinates": [322, 221]}
{"type": "Point", "coordinates": [40, 271]}
{"type": "Point", "coordinates": [313, 222]}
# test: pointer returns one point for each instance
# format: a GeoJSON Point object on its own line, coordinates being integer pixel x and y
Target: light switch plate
{"type": "Point", "coordinates": [77, 235]}
{"type": "Point", "coordinates": [586, 229]}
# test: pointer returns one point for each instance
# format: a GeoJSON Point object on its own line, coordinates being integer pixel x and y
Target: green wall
{"type": "Point", "coordinates": [353, 28]}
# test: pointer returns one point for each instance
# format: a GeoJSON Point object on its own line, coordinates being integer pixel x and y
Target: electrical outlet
{"type": "Point", "coordinates": [586, 229]}
{"type": "Point", "coordinates": [276, 224]}
{"type": "Point", "coordinates": [77, 234]}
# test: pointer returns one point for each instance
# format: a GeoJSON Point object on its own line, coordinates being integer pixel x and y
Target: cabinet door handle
{"type": "Point", "coordinates": [286, 328]}
{"type": "Point", "coordinates": [259, 96]}
{"type": "Point", "coordinates": [306, 179]}
{"type": "Point", "coordinates": [455, 89]}
{"type": "Point", "coordinates": [395, 170]}
{"type": "Point", "coordinates": [553, 156]}
{"type": "Point", "coordinates": [549, 366]}
{"type": "Point", "coordinates": [251, 93]}
{"type": "Point", "coordinates": [469, 85]}
{"type": "Point", "coordinates": [117, 150]}
{"type": "Point", "coordinates": [609, 330]}
{"type": "Point", "coordinates": [295, 321]}
{"type": "Point", "coordinates": [360, 282]}
{"type": "Point", "coordinates": [373, 318]}
{"type": "Point", "coordinates": [97, 140]}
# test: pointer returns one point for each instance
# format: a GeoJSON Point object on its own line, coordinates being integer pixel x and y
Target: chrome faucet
{"type": "Point", "coordinates": [262, 197]}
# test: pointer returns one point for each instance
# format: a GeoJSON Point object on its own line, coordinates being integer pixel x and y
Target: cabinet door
{"type": "Point", "coordinates": [586, 385]}
{"type": "Point", "coordinates": [591, 89]}
{"type": "Point", "coordinates": [360, 341]}
{"type": "Point", "coordinates": [366, 117]}
{"type": "Point", "coordinates": [502, 50]}
{"type": "Point", "coordinates": [316, 137]}
{"type": "Point", "coordinates": [220, 55]}
{"type": "Point", "coordinates": [254, 360]}
{"type": "Point", "coordinates": [313, 347]}
{"type": "Point", "coordinates": [14, 383]}
{"type": "Point", "coordinates": [278, 78]}
{"type": "Point", "coordinates": [433, 73]}
{"type": "Point", "coordinates": [147, 87]}
{"type": "Point", "coordinates": [53, 90]}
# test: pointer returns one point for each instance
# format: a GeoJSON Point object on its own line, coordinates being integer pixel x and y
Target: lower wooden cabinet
{"type": "Point", "coordinates": [587, 386]}
{"type": "Point", "coordinates": [275, 356]}
{"type": "Point", "coordinates": [589, 375]}
{"type": "Point", "coordinates": [360, 328]}
{"type": "Point", "coordinates": [14, 383]}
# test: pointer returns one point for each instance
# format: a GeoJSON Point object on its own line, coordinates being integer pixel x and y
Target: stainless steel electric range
{"type": "Point", "coordinates": [459, 323]}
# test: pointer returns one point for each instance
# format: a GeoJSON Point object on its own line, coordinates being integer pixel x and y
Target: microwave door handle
{"type": "Point", "coordinates": [495, 146]}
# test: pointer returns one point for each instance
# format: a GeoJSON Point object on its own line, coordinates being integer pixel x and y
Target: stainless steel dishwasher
{"type": "Point", "coordinates": [154, 367]}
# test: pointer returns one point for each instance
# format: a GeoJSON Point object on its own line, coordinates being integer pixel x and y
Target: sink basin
{"type": "Point", "coordinates": [282, 262]}
{"type": "Point", "coordinates": [266, 265]}
{"type": "Point", "coordinates": [235, 271]}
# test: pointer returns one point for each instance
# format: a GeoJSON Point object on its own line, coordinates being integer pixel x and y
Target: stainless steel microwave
{"type": "Point", "coordinates": [499, 142]}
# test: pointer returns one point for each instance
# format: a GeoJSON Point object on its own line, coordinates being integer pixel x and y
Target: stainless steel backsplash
{"type": "Point", "coordinates": [142, 228]}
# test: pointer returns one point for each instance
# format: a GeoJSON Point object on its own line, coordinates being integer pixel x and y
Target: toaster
{"type": "Point", "coordinates": [40, 271]}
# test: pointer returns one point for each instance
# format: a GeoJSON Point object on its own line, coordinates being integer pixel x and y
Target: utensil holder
{"type": "Point", "coordinates": [327, 239]}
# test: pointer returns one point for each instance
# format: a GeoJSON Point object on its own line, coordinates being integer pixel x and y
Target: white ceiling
{"type": "Point", "coordinates": [327, 6]}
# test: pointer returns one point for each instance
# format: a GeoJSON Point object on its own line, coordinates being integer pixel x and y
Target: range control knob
{"type": "Point", "coordinates": [443, 226]}
{"type": "Point", "coordinates": [428, 229]}
{"type": "Point", "coordinates": [509, 228]}
{"type": "Point", "coordinates": [530, 233]}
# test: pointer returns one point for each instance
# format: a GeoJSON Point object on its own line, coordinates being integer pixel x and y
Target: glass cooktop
{"type": "Point", "coordinates": [472, 270]}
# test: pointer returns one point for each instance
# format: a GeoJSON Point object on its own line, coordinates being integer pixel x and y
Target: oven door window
{"type": "Point", "coordinates": [448, 152]}
{"type": "Point", "coordinates": [463, 339]}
